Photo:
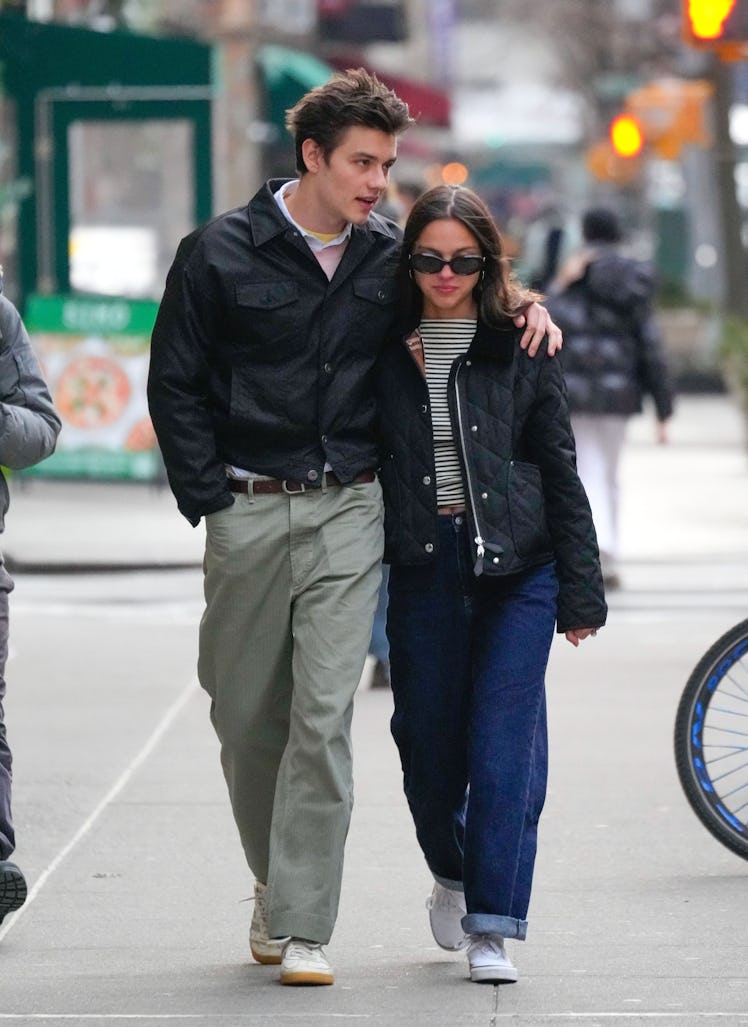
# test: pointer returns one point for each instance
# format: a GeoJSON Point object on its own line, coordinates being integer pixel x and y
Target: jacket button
{"type": "Point", "coordinates": [312, 475]}
{"type": "Point", "coordinates": [496, 559]}
{"type": "Point", "coordinates": [381, 294]}
{"type": "Point", "coordinates": [425, 408]}
{"type": "Point", "coordinates": [473, 427]}
{"type": "Point", "coordinates": [426, 479]}
{"type": "Point", "coordinates": [484, 495]}
{"type": "Point", "coordinates": [328, 368]}
{"type": "Point", "coordinates": [324, 440]}
{"type": "Point", "coordinates": [429, 547]}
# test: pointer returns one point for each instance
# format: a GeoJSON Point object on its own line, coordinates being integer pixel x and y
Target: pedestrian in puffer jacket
{"type": "Point", "coordinates": [613, 355]}
{"type": "Point", "coordinates": [29, 427]}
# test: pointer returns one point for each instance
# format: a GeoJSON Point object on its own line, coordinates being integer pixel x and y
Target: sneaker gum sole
{"type": "Point", "coordinates": [266, 958]}
{"type": "Point", "coordinates": [306, 977]}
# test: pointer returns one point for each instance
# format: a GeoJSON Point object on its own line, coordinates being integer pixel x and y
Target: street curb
{"type": "Point", "coordinates": [79, 567]}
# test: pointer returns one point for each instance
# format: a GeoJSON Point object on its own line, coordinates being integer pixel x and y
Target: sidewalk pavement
{"type": "Point", "coordinates": [684, 502]}
{"type": "Point", "coordinates": [637, 915]}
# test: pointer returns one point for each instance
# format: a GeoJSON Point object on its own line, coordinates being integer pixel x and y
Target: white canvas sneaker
{"type": "Point", "coordinates": [305, 962]}
{"type": "Point", "coordinates": [488, 960]}
{"type": "Point", "coordinates": [446, 908]}
{"type": "Point", "coordinates": [263, 948]}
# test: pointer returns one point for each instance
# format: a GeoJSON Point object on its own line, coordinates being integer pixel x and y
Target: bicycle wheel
{"type": "Point", "coordinates": [711, 739]}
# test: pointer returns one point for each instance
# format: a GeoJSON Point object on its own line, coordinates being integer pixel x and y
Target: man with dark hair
{"type": "Point", "coordinates": [30, 427]}
{"type": "Point", "coordinates": [261, 394]}
{"type": "Point", "coordinates": [601, 225]}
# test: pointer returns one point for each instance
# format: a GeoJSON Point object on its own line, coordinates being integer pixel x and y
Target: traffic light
{"type": "Point", "coordinates": [626, 136]}
{"type": "Point", "coordinates": [719, 25]}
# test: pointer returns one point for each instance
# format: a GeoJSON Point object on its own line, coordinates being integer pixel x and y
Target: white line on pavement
{"type": "Point", "coordinates": [161, 728]}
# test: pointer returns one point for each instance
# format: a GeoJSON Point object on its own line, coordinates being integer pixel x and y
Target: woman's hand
{"type": "Point", "coordinates": [537, 324]}
{"type": "Point", "coordinates": [577, 635]}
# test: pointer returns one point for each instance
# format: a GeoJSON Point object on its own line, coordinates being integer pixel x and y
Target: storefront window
{"type": "Point", "coordinates": [131, 200]}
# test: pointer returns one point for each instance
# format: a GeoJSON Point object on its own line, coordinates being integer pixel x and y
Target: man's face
{"type": "Point", "coordinates": [347, 184]}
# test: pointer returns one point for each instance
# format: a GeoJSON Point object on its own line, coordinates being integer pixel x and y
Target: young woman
{"type": "Point", "coordinates": [491, 544]}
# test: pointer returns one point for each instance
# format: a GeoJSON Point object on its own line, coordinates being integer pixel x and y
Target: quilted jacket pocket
{"type": "Point", "coordinates": [527, 509]}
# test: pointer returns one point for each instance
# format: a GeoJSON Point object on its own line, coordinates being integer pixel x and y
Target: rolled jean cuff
{"type": "Point", "coordinates": [445, 882]}
{"type": "Point", "coordinates": [487, 923]}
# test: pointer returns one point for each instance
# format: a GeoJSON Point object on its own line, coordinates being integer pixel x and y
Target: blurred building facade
{"type": "Point", "coordinates": [520, 92]}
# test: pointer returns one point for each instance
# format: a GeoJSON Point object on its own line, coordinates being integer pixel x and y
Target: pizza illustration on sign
{"type": "Point", "coordinates": [92, 392]}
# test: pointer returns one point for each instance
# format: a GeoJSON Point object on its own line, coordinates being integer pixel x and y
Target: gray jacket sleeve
{"type": "Point", "coordinates": [29, 424]}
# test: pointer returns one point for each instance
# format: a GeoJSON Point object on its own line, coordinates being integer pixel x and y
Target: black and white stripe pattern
{"type": "Point", "coordinates": [443, 341]}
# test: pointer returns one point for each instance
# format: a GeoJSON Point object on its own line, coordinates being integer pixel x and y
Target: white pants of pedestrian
{"type": "Point", "coordinates": [599, 440]}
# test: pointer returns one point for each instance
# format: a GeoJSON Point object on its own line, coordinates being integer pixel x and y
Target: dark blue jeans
{"type": "Point", "coordinates": [468, 658]}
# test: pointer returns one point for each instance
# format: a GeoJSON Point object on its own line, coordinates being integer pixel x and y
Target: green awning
{"type": "Point", "coordinates": [286, 75]}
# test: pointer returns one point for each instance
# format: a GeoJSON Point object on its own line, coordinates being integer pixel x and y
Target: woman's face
{"type": "Point", "coordinates": [447, 294]}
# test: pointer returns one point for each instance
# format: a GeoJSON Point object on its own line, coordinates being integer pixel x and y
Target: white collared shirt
{"type": "Point", "coordinates": [314, 241]}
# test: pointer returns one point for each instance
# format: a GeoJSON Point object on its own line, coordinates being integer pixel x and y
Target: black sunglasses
{"type": "Point", "coordinates": [430, 264]}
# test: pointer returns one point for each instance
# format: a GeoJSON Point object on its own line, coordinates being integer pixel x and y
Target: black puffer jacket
{"type": "Point", "coordinates": [613, 352]}
{"type": "Point", "coordinates": [526, 503]}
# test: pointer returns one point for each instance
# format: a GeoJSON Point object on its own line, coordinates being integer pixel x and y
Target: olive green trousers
{"type": "Point", "coordinates": [291, 585]}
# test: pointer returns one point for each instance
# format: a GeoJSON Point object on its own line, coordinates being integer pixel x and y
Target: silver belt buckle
{"type": "Point", "coordinates": [300, 487]}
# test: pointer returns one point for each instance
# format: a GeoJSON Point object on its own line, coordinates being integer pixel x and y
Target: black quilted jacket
{"type": "Point", "coordinates": [526, 503]}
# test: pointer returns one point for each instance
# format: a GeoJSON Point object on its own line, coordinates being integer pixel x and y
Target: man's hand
{"type": "Point", "coordinates": [537, 323]}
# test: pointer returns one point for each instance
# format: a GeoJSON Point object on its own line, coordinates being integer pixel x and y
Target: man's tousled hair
{"type": "Point", "coordinates": [353, 97]}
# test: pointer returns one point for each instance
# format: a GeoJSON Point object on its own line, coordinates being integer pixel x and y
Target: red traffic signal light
{"type": "Point", "coordinates": [720, 25]}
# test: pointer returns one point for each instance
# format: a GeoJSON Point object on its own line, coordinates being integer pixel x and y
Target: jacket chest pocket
{"type": "Point", "coordinates": [372, 313]}
{"type": "Point", "coordinates": [266, 320]}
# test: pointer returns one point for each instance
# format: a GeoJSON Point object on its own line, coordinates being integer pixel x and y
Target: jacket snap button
{"type": "Point", "coordinates": [381, 294]}
{"type": "Point", "coordinates": [429, 547]}
{"type": "Point", "coordinates": [484, 495]}
{"type": "Point", "coordinates": [427, 480]}
{"type": "Point", "coordinates": [424, 408]}
{"type": "Point", "coordinates": [473, 427]}
{"type": "Point", "coordinates": [496, 559]}
{"type": "Point", "coordinates": [312, 475]}
{"type": "Point", "coordinates": [328, 368]}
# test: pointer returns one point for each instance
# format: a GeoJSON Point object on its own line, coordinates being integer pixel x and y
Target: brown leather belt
{"type": "Point", "coordinates": [265, 486]}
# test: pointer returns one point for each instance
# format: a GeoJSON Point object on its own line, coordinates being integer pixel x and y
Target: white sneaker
{"type": "Point", "coordinates": [263, 948]}
{"type": "Point", "coordinates": [446, 908]}
{"type": "Point", "coordinates": [489, 961]}
{"type": "Point", "coordinates": [305, 962]}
